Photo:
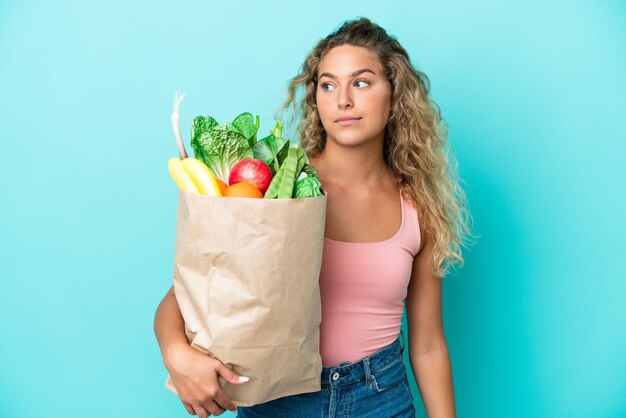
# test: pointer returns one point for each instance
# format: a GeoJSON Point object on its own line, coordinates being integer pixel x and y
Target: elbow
{"type": "Point", "coordinates": [427, 346]}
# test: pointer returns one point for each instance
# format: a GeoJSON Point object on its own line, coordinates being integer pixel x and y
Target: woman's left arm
{"type": "Point", "coordinates": [428, 349]}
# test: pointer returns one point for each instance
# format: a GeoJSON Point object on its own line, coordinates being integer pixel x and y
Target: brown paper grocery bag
{"type": "Point", "coordinates": [246, 278]}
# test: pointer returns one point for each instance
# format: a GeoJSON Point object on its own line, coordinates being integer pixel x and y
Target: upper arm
{"type": "Point", "coordinates": [424, 302]}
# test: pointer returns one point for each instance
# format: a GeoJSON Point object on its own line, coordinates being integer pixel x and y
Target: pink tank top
{"type": "Point", "coordinates": [362, 288]}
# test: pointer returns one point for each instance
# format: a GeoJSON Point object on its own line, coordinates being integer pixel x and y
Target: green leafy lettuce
{"type": "Point", "coordinates": [307, 186]}
{"type": "Point", "coordinates": [221, 146]}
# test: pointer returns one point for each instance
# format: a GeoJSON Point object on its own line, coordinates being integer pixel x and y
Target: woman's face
{"type": "Point", "coordinates": [351, 84]}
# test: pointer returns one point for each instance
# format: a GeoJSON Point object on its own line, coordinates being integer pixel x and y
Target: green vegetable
{"type": "Point", "coordinates": [201, 124]}
{"type": "Point", "coordinates": [309, 169]}
{"type": "Point", "coordinates": [289, 177]}
{"type": "Point", "coordinates": [278, 129]}
{"type": "Point", "coordinates": [301, 160]}
{"type": "Point", "coordinates": [222, 146]}
{"type": "Point", "coordinates": [308, 186]}
{"type": "Point", "coordinates": [256, 128]}
{"type": "Point", "coordinates": [272, 190]}
{"type": "Point", "coordinates": [282, 155]}
{"type": "Point", "coordinates": [268, 149]}
{"type": "Point", "coordinates": [244, 124]}
{"type": "Point", "coordinates": [281, 186]}
{"type": "Point", "coordinates": [272, 149]}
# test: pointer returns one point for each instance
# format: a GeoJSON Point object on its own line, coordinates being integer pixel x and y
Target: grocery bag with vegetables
{"type": "Point", "coordinates": [248, 251]}
{"type": "Point", "coordinates": [231, 154]}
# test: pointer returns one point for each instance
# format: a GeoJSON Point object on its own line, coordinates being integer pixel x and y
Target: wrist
{"type": "Point", "coordinates": [172, 352]}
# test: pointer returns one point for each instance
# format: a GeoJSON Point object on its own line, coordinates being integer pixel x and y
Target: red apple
{"type": "Point", "coordinates": [252, 171]}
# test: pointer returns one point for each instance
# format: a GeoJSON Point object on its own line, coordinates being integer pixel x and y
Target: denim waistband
{"type": "Point", "coordinates": [351, 372]}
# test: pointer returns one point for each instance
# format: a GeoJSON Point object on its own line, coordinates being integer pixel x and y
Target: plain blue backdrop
{"type": "Point", "coordinates": [535, 97]}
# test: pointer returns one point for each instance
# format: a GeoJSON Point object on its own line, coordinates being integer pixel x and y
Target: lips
{"type": "Point", "coordinates": [347, 121]}
{"type": "Point", "coordinates": [346, 118]}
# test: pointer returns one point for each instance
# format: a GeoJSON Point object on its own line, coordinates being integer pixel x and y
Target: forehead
{"type": "Point", "coordinates": [343, 59]}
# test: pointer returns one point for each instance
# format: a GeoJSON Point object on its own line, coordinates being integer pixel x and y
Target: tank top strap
{"type": "Point", "coordinates": [411, 229]}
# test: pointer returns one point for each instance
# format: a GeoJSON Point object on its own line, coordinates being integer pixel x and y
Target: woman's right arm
{"type": "Point", "coordinates": [193, 373]}
{"type": "Point", "coordinates": [169, 327]}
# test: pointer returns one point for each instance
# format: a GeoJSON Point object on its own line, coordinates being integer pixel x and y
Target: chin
{"type": "Point", "coordinates": [350, 134]}
{"type": "Point", "coordinates": [349, 140]}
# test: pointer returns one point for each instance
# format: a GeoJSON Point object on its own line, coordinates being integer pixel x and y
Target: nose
{"type": "Point", "coordinates": [345, 99]}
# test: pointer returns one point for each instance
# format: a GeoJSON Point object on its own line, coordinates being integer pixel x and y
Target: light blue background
{"type": "Point", "coordinates": [535, 96]}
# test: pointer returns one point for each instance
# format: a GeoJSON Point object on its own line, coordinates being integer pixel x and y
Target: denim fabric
{"type": "Point", "coordinates": [375, 386]}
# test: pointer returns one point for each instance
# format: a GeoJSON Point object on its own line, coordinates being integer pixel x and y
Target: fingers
{"type": "Point", "coordinates": [212, 402]}
{"type": "Point", "coordinates": [231, 376]}
{"type": "Point", "coordinates": [189, 408]}
{"type": "Point", "coordinates": [199, 388]}
{"type": "Point", "coordinates": [208, 409]}
{"type": "Point", "coordinates": [216, 409]}
{"type": "Point", "coordinates": [201, 412]}
{"type": "Point", "coordinates": [222, 400]}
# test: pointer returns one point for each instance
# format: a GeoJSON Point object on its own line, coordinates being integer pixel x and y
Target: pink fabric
{"type": "Point", "coordinates": [363, 287]}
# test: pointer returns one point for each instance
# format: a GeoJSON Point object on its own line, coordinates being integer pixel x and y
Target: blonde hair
{"type": "Point", "coordinates": [415, 149]}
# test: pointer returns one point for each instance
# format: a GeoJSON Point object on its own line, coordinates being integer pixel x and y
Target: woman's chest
{"type": "Point", "coordinates": [362, 218]}
{"type": "Point", "coordinates": [374, 274]}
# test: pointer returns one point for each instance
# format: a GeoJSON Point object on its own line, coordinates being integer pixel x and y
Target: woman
{"type": "Point", "coordinates": [370, 129]}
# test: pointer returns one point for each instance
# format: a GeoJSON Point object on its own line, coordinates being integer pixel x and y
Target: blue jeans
{"type": "Point", "coordinates": [375, 386]}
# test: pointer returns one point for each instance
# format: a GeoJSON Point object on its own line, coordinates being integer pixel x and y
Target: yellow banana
{"type": "Point", "coordinates": [181, 176]}
{"type": "Point", "coordinates": [202, 176]}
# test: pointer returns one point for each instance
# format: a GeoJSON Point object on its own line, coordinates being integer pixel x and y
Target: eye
{"type": "Point", "coordinates": [323, 85]}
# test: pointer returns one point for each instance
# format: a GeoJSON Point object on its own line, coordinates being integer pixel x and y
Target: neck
{"type": "Point", "coordinates": [362, 165]}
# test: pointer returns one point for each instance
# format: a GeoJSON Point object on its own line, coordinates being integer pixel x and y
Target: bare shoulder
{"type": "Point", "coordinates": [419, 220]}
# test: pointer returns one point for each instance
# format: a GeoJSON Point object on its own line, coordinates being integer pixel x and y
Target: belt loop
{"type": "Point", "coordinates": [368, 373]}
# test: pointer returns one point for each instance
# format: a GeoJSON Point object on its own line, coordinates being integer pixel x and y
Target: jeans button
{"type": "Point", "coordinates": [335, 376]}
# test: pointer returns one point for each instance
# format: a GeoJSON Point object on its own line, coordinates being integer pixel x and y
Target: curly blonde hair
{"type": "Point", "coordinates": [415, 149]}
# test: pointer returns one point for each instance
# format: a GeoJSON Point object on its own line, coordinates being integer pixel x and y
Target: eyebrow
{"type": "Point", "coordinates": [357, 72]}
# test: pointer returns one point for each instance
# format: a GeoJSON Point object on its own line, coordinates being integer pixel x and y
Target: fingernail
{"type": "Point", "coordinates": [243, 378]}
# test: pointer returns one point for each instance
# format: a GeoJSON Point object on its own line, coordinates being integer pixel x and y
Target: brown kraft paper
{"type": "Point", "coordinates": [246, 278]}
